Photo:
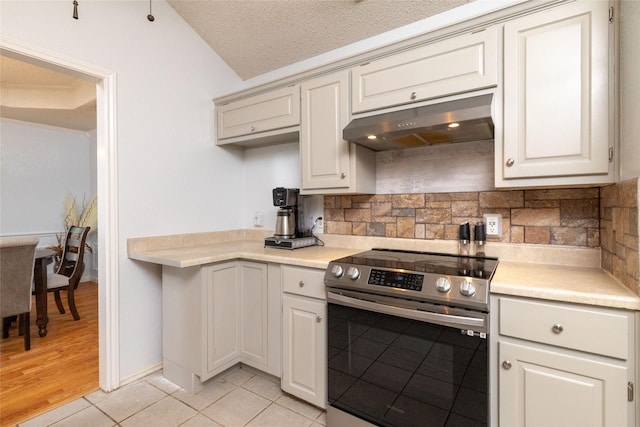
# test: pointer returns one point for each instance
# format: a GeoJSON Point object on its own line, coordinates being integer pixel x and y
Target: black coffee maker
{"type": "Point", "coordinates": [287, 217]}
{"type": "Point", "coordinates": [290, 231]}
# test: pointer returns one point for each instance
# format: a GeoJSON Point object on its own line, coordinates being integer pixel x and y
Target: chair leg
{"type": "Point", "coordinates": [56, 294]}
{"type": "Point", "coordinates": [26, 322]}
{"type": "Point", "coordinates": [72, 302]}
{"type": "Point", "coordinates": [6, 325]}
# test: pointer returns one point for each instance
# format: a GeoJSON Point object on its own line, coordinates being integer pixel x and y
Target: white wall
{"type": "Point", "coordinates": [629, 89]}
{"type": "Point", "coordinates": [172, 179]}
{"type": "Point", "coordinates": [39, 166]}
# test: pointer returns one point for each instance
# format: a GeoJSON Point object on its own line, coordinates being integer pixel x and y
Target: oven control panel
{"type": "Point", "coordinates": [396, 279]}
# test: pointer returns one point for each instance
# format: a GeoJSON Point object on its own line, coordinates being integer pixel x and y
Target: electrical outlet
{"type": "Point", "coordinates": [493, 224]}
{"type": "Point", "coordinates": [258, 219]}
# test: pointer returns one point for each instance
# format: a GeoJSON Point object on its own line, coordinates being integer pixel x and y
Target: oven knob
{"type": "Point", "coordinates": [443, 284]}
{"type": "Point", "coordinates": [353, 273]}
{"type": "Point", "coordinates": [337, 271]}
{"type": "Point", "coordinates": [467, 289]}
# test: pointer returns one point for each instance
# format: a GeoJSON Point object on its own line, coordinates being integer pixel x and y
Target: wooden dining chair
{"type": "Point", "coordinates": [17, 258]}
{"type": "Point", "coordinates": [69, 272]}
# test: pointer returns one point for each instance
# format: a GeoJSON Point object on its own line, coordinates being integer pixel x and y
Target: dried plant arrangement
{"type": "Point", "coordinates": [87, 217]}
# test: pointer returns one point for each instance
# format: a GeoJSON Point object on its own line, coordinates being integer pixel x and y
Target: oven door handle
{"type": "Point", "coordinates": [425, 316]}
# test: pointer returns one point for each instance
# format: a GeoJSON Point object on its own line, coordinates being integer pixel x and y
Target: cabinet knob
{"type": "Point", "coordinates": [506, 364]}
{"type": "Point", "coordinates": [253, 128]}
{"type": "Point", "coordinates": [343, 175]}
{"type": "Point", "coordinates": [301, 284]}
{"type": "Point", "coordinates": [510, 162]}
{"type": "Point", "coordinates": [414, 95]}
{"type": "Point", "coordinates": [318, 319]}
{"type": "Point", "coordinates": [557, 328]}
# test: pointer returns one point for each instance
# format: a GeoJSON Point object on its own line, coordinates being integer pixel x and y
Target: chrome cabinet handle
{"type": "Point", "coordinates": [301, 284]}
{"type": "Point", "coordinates": [343, 175]}
{"type": "Point", "coordinates": [557, 328]}
{"type": "Point", "coordinates": [414, 95]}
{"type": "Point", "coordinates": [506, 364]}
{"type": "Point", "coordinates": [318, 319]}
{"type": "Point", "coordinates": [253, 128]}
{"type": "Point", "coordinates": [510, 162]}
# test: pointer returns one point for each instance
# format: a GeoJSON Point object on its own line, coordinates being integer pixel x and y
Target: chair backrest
{"type": "Point", "coordinates": [72, 260]}
{"type": "Point", "coordinates": [17, 258]}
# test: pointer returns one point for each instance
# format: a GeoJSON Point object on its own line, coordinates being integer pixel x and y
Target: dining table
{"type": "Point", "coordinates": [44, 257]}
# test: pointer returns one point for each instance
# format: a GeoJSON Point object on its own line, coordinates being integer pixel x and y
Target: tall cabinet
{"type": "Point", "coordinates": [329, 163]}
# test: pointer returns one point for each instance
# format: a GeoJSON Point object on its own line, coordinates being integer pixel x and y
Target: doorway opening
{"type": "Point", "coordinates": [107, 193]}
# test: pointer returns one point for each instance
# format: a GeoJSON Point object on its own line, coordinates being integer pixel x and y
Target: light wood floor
{"type": "Point", "coordinates": [59, 367]}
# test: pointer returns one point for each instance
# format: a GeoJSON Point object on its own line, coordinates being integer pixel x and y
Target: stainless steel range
{"type": "Point", "coordinates": [407, 339]}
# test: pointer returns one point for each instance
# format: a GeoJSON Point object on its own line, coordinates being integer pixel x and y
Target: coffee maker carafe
{"type": "Point", "coordinates": [286, 221]}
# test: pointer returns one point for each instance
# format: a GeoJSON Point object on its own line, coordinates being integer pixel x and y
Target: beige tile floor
{"type": "Point", "coordinates": [239, 397]}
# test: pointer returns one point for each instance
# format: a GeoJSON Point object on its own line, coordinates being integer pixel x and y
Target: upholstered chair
{"type": "Point", "coordinates": [17, 258]}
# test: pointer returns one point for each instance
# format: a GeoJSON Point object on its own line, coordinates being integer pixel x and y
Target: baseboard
{"type": "Point", "coordinates": [141, 374]}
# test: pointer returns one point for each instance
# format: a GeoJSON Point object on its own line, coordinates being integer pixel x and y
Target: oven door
{"type": "Point", "coordinates": [395, 362]}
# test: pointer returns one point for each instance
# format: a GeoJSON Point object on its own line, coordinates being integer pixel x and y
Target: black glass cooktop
{"type": "Point", "coordinates": [424, 262]}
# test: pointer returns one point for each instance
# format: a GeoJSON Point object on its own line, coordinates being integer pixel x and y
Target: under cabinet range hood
{"type": "Point", "coordinates": [467, 119]}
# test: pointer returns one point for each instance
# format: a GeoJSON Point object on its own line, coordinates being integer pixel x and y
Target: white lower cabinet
{"type": "Point", "coordinates": [304, 335]}
{"type": "Point", "coordinates": [561, 364]}
{"type": "Point", "coordinates": [218, 315]}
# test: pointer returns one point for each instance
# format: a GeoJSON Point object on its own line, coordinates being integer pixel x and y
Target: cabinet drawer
{"type": "Point", "coordinates": [265, 112]}
{"type": "Point", "coordinates": [460, 64]}
{"type": "Point", "coordinates": [303, 281]}
{"type": "Point", "coordinates": [589, 329]}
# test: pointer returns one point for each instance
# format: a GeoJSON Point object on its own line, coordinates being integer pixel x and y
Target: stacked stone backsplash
{"type": "Point", "coordinates": [545, 217]}
{"type": "Point", "coordinates": [604, 217]}
{"type": "Point", "coordinates": [619, 232]}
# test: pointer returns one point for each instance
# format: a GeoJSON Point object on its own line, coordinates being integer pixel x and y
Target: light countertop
{"type": "Point", "coordinates": [314, 256]}
{"type": "Point", "coordinates": [574, 283]}
{"type": "Point", "coordinates": [581, 285]}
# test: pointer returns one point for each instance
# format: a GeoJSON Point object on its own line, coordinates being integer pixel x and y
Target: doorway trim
{"type": "Point", "coordinates": [107, 183]}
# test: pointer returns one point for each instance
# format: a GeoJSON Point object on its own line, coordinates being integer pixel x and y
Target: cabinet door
{"type": "Point", "coordinates": [222, 317]}
{"type": "Point", "coordinates": [254, 311]}
{"type": "Point", "coordinates": [447, 67]}
{"type": "Point", "coordinates": [324, 154]}
{"type": "Point", "coordinates": [545, 388]}
{"type": "Point", "coordinates": [556, 96]}
{"type": "Point", "coordinates": [304, 349]}
{"type": "Point", "coordinates": [331, 165]}
{"type": "Point", "coordinates": [268, 111]}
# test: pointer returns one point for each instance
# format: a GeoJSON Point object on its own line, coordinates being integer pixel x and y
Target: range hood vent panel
{"type": "Point", "coordinates": [426, 125]}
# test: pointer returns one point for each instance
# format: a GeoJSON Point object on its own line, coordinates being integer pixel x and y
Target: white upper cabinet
{"type": "Point", "coordinates": [557, 98]}
{"type": "Point", "coordinates": [330, 164]}
{"type": "Point", "coordinates": [273, 112]}
{"type": "Point", "coordinates": [456, 65]}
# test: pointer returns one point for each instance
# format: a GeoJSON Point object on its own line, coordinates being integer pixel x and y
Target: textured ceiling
{"type": "Point", "coordinates": [257, 36]}
{"type": "Point", "coordinates": [252, 36]}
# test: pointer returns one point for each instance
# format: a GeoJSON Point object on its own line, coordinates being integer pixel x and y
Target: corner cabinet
{"type": "Point", "coordinates": [218, 315]}
{"type": "Point", "coordinates": [558, 108]}
{"type": "Point", "coordinates": [331, 165]}
{"type": "Point", "coordinates": [564, 364]}
{"type": "Point", "coordinates": [304, 334]}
